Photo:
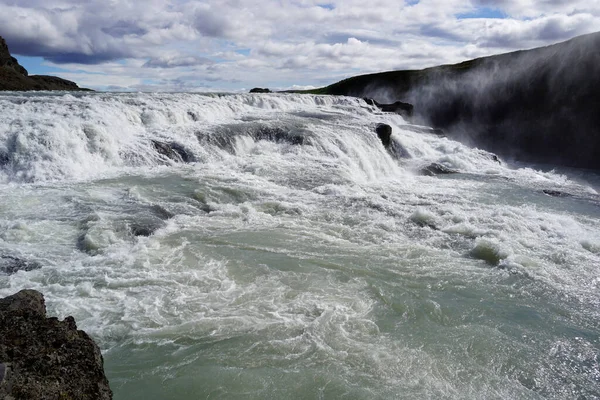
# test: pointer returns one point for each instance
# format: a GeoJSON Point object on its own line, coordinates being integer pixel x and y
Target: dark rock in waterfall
{"type": "Point", "coordinates": [11, 265]}
{"type": "Point", "coordinates": [556, 193]}
{"type": "Point", "coordinates": [13, 76]}
{"type": "Point", "coordinates": [193, 116]}
{"type": "Point", "coordinates": [4, 158]}
{"type": "Point", "coordinates": [436, 169]}
{"type": "Point", "coordinates": [277, 135]}
{"type": "Point", "coordinates": [147, 222]}
{"type": "Point", "coordinates": [399, 107]}
{"type": "Point", "coordinates": [260, 90]}
{"type": "Point", "coordinates": [384, 131]}
{"type": "Point", "coordinates": [44, 358]}
{"type": "Point", "coordinates": [225, 136]}
{"type": "Point", "coordinates": [173, 151]}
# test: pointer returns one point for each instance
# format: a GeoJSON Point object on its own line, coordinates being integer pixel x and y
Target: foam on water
{"type": "Point", "coordinates": [295, 256]}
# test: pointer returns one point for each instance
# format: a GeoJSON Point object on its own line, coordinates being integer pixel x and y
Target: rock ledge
{"type": "Point", "coordinates": [44, 358]}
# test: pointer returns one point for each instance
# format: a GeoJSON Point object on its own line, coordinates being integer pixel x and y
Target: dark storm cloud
{"type": "Point", "coordinates": [62, 54]}
{"type": "Point", "coordinates": [124, 28]}
{"type": "Point", "coordinates": [211, 24]}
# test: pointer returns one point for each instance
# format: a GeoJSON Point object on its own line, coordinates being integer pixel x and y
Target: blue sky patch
{"type": "Point", "coordinates": [35, 66]}
{"type": "Point", "coordinates": [484, 12]}
{"type": "Point", "coordinates": [327, 6]}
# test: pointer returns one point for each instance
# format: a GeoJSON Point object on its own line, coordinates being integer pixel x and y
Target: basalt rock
{"type": "Point", "coordinates": [173, 151]}
{"type": "Point", "coordinates": [436, 169]}
{"type": "Point", "coordinates": [43, 358]}
{"type": "Point", "coordinates": [384, 131]}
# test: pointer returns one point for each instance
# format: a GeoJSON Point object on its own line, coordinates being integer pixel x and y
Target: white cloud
{"type": "Point", "coordinates": [244, 43]}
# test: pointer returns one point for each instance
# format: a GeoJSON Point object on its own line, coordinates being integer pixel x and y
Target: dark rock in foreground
{"type": "Point", "coordinates": [44, 358]}
{"type": "Point", "coordinates": [260, 90]}
{"type": "Point", "coordinates": [13, 76]}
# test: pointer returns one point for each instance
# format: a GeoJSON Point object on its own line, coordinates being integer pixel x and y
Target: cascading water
{"type": "Point", "coordinates": [269, 246]}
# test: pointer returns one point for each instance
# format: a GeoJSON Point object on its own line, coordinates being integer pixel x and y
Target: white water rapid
{"type": "Point", "coordinates": [269, 246]}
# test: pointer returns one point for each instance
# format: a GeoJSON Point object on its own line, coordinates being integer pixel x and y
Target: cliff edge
{"type": "Point", "coordinates": [538, 105]}
{"type": "Point", "coordinates": [44, 358]}
{"type": "Point", "coordinates": [14, 76]}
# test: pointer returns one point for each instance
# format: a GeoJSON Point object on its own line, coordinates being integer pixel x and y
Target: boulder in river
{"type": "Point", "coordinates": [555, 193]}
{"type": "Point", "coordinates": [384, 131]}
{"type": "Point", "coordinates": [173, 151]}
{"type": "Point", "coordinates": [44, 358]}
{"type": "Point", "coordinates": [436, 169]}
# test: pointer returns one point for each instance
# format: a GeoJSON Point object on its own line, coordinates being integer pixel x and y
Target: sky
{"type": "Point", "coordinates": [234, 45]}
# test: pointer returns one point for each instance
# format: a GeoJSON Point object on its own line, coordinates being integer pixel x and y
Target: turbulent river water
{"type": "Point", "coordinates": [277, 250]}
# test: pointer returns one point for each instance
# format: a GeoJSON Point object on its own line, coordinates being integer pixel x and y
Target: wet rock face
{"type": "Point", "coordinates": [173, 151]}
{"type": "Point", "coordinates": [436, 169]}
{"type": "Point", "coordinates": [44, 358]}
{"type": "Point", "coordinates": [398, 107]}
{"type": "Point", "coordinates": [384, 131]}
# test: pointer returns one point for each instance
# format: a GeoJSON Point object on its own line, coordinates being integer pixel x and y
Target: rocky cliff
{"type": "Point", "coordinates": [44, 358]}
{"type": "Point", "coordinates": [14, 77]}
{"type": "Point", "coordinates": [537, 105]}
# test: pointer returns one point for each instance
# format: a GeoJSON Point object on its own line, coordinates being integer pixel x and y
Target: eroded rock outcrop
{"type": "Point", "coordinates": [398, 107]}
{"type": "Point", "coordinates": [44, 358]}
{"type": "Point", "coordinates": [9, 62]}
